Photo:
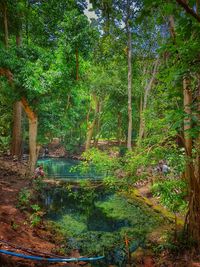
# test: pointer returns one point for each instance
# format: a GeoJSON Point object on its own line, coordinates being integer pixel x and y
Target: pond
{"type": "Point", "coordinates": [66, 169]}
{"type": "Point", "coordinates": [97, 221]}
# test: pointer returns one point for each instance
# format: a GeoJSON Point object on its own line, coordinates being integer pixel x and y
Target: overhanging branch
{"type": "Point", "coordinates": [188, 9]}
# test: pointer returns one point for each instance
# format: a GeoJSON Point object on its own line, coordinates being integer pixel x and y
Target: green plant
{"type": "Point", "coordinates": [172, 194]}
{"type": "Point", "coordinates": [35, 218]}
{"type": "Point", "coordinates": [14, 225]}
{"type": "Point", "coordinates": [38, 184]}
{"type": "Point", "coordinates": [24, 198]}
{"type": "Point", "coordinates": [36, 208]}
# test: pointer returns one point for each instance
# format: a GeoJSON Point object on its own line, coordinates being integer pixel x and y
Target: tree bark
{"type": "Point", "coordinates": [33, 126]}
{"type": "Point", "coordinates": [5, 20]}
{"type": "Point", "coordinates": [197, 6]}
{"type": "Point", "coordinates": [129, 136]}
{"type": "Point", "coordinates": [147, 90]}
{"type": "Point", "coordinates": [16, 146]}
{"type": "Point", "coordinates": [188, 114]}
{"type": "Point", "coordinates": [188, 9]}
{"type": "Point", "coordinates": [119, 130]}
{"type": "Point", "coordinates": [92, 125]}
{"type": "Point", "coordinates": [17, 133]}
{"type": "Point", "coordinates": [77, 65]}
{"type": "Point", "coordinates": [193, 216]}
{"type": "Point", "coordinates": [98, 125]}
{"type": "Point", "coordinates": [197, 141]}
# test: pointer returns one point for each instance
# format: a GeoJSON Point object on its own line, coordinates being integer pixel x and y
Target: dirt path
{"type": "Point", "coordinates": [14, 226]}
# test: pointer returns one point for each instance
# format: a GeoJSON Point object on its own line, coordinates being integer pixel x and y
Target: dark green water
{"type": "Point", "coordinates": [96, 221]}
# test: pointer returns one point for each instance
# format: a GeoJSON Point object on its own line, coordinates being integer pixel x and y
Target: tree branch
{"type": "Point", "coordinates": [188, 9]}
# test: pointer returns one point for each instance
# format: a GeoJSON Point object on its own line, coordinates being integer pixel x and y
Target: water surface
{"type": "Point", "coordinates": [67, 169]}
{"type": "Point", "coordinates": [93, 219]}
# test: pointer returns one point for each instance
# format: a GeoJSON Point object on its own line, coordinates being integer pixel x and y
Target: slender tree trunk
{"type": "Point", "coordinates": [119, 130]}
{"type": "Point", "coordinates": [142, 122]}
{"type": "Point", "coordinates": [147, 90]}
{"type": "Point", "coordinates": [188, 114]}
{"type": "Point", "coordinates": [27, 21]}
{"type": "Point", "coordinates": [98, 125]}
{"type": "Point", "coordinates": [77, 65]}
{"type": "Point", "coordinates": [5, 20]}
{"type": "Point", "coordinates": [92, 125]}
{"type": "Point", "coordinates": [129, 137]}
{"type": "Point", "coordinates": [197, 6]}
{"type": "Point", "coordinates": [18, 40]}
{"type": "Point", "coordinates": [33, 126]}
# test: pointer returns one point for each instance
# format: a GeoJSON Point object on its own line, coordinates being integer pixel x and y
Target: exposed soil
{"type": "Point", "coordinates": [14, 225]}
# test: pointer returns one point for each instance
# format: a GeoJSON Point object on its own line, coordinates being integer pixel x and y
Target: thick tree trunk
{"type": "Point", "coordinates": [193, 217]}
{"type": "Point", "coordinates": [16, 133]}
{"type": "Point", "coordinates": [129, 136]}
{"type": "Point", "coordinates": [16, 146]}
{"type": "Point", "coordinates": [197, 142]}
{"type": "Point", "coordinates": [33, 150]}
{"type": "Point", "coordinates": [33, 126]}
{"type": "Point", "coordinates": [92, 125]}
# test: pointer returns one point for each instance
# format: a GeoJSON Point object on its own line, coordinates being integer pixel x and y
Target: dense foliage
{"type": "Point", "coordinates": [131, 76]}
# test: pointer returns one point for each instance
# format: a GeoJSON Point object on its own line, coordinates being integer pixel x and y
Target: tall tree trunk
{"type": "Point", "coordinates": [119, 130]}
{"type": "Point", "coordinates": [91, 126]}
{"type": "Point", "coordinates": [147, 90]}
{"type": "Point", "coordinates": [193, 216]}
{"type": "Point", "coordinates": [129, 137]}
{"type": "Point", "coordinates": [27, 21]}
{"type": "Point", "coordinates": [33, 123]}
{"type": "Point", "coordinates": [5, 20]}
{"type": "Point", "coordinates": [98, 125]}
{"type": "Point", "coordinates": [187, 94]}
{"type": "Point", "coordinates": [142, 122]}
{"type": "Point", "coordinates": [16, 148]}
{"type": "Point", "coordinates": [33, 149]}
{"type": "Point", "coordinates": [197, 6]}
{"type": "Point", "coordinates": [33, 126]}
{"type": "Point", "coordinates": [77, 65]}
{"type": "Point", "coordinates": [197, 141]}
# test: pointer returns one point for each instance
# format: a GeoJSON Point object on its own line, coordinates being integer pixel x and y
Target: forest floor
{"type": "Point", "coordinates": [16, 229]}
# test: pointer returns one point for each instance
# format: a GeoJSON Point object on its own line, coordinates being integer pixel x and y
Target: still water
{"type": "Point", "coordinates": [67, 169]}
{"type": "Point", "coordinates": [94, 220]}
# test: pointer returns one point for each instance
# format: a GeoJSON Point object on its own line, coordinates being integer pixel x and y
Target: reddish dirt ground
{"type": "Point", "coordinates": [14, 226]}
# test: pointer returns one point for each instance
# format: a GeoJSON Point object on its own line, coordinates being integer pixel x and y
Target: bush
{"type": "Point", "coordinates": [172, 194]}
